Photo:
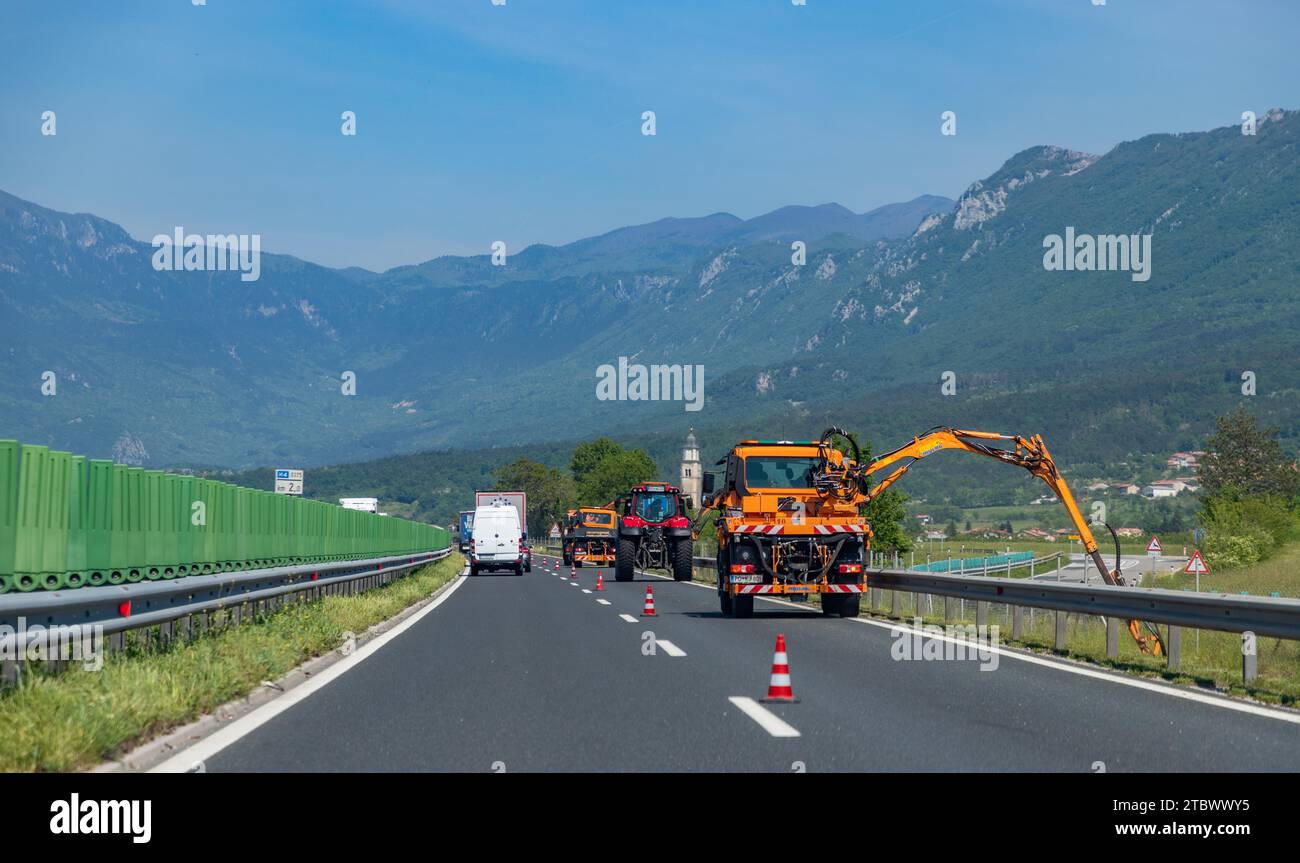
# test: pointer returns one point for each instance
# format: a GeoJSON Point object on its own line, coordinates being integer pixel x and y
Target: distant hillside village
{"type": "Point", "coordinates": [1158, 489]}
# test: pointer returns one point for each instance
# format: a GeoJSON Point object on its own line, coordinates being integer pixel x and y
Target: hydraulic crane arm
{"type": "Point", "coordinates": [1028, 453]}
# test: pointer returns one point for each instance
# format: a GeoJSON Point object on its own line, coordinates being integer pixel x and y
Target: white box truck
{"type": "Point", "coordinates": [517, 499]}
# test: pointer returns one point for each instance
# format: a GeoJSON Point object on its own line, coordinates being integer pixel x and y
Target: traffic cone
{"type": "Point", "coordinates": [600, 581]}
{"type": "Point", "coordinates": [649, 610]}
{"type": "Point", "coordinates": [573, 573]}
{"type": "Point", "coordinates": [779, 689]}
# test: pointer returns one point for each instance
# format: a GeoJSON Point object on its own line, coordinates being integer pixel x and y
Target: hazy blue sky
{"type": "Point", "coordinates": [523, 122]}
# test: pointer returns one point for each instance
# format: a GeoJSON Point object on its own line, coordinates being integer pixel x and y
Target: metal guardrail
{"type": "Point", "coordinates": [1279, 618]}
{"type": "Point", "coordinates": [115, 609]}
{"type": "Point", "coordinates": [1251, 616]}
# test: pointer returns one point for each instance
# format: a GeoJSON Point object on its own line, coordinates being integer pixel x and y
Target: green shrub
{"type": "Point", "coordinates": [1243, 530]}
{"type": "Point", "coordinates": [1237, 550]}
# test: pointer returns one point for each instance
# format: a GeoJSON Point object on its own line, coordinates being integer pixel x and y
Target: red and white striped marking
{"type": "Point", "coordinates": [822, 529]}
{"type": "Point", "coordinates": [771, 588]}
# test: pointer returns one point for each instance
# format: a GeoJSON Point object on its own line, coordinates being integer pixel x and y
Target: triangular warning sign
{"type": "Point", "coordinates": [1197, 564]}
{"type": "Point", "coordinates": [1154, 546]}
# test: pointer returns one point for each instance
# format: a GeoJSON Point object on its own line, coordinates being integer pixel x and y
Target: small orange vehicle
{"type": "Point", "coordinates": [590, 536]}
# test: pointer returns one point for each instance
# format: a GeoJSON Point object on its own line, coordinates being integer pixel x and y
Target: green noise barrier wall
{"type": "Point", "coordinates": [68, 521]}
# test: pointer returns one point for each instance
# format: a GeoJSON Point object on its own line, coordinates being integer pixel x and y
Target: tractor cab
{"type": "Point", "coordinates": [654, 531]}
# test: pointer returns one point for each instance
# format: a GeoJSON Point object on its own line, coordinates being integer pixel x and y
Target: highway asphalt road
{"type": "Point", "coordinates": [1134, 567]}
{"type": "Point", "coordinates": [530, 673]}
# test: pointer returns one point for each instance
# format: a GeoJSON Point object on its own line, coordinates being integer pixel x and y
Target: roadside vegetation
{"type": "Point", "coordinates": [76, 718]}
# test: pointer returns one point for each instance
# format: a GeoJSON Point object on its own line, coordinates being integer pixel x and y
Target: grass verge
{"type": "Point", "coordinates": [78, 718]}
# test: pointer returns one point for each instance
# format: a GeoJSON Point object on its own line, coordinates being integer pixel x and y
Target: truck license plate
{"type": "Point", "coordinates": [747, 578]}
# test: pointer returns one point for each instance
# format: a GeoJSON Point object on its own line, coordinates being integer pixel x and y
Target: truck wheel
{"type": "Point", "coordinates": [724, 597]}
{"type": "Point", "coordinates": [841, 604]}
{"type": "Point", "coordinates": [682, 560]}
{"type": "Point", "coordinates": [743, 606]}
{"type": "Point", "coordinates": [473, 569]}
{"type": "Point", "coordinates": [578, 564]}
{"type": "Point", "coordinates": [624, 559]}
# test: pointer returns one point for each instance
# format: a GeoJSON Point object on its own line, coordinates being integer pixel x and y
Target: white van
{"type": "Point", "coordinates": [497, 541]}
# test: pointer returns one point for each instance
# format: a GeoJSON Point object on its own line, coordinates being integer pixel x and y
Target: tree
{"type": "Point", "coordinates": [614, 474]}
{"type": "Point", "coordinates": [886, 514]}
{"type": "Point", "coordinates": [586, 456]}
{"type": "Point", "coordinates": [1245, 459]}
{"type": "Point", "coordinates": [550, 492]}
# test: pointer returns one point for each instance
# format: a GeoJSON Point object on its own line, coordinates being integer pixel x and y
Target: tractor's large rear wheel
{"type": "Point", "coordinates": [624, 560]}
{"type": "Point", "coordinates": [683, 560]}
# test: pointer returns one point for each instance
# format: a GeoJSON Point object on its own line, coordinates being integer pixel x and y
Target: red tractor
{"type": "Point", "coordinates": [654, 532]}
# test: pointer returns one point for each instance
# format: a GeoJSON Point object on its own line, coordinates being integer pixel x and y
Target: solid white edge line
{"type": "Point", "coordinates": [766, 719]}
{"type": "Point", "coordinates": [669, 648]}
{"type": "Point", "coordinates": [1223, 702]}
{"type": "Point", "coordinates": [184, 760]}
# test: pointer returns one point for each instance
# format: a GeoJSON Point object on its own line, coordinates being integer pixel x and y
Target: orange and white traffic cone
{"type": "Point", "coordinates": [600, 581]}
{"type": "Point", "coordinates": [779, 689]}
{"type": "Point", "coordinates": [573, 573]}
{"type": "Point", "coordinates": [649, 610]}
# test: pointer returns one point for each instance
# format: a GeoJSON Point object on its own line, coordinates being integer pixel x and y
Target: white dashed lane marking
{"type": "Point", "coordinates": [767, 720]}
{"type": "Point", "coordinates": [669, 648]}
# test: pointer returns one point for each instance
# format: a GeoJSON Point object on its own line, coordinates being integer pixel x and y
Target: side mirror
{"type": "Point", "coordinates": [708, 483]}
{"type": "Point", "coordinates": [688, 502]}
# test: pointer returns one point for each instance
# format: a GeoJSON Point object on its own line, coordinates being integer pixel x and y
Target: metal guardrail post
{"type": "Point", "coordinates": [893, 603]}
{"type": "Point", "coordinates": [981, 615]}
{"type": "Point", "coordinates": [1017, 622]}
{"type": "Point", "coordinates": [1249, 668]}
{"type": "Point", "coordinates": [1174, 645]}
{"type": "Point", "coordinates": [1061, 618]}
{"type": "Point", "coordinates": [1112, 637]}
